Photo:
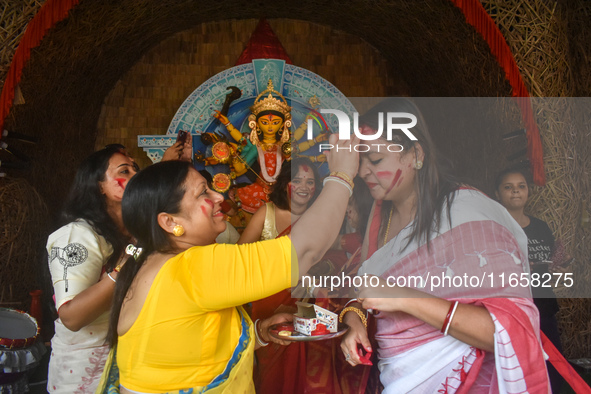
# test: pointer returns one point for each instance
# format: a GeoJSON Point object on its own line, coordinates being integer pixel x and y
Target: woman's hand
{"type": "Point", "coordinates": [180, 150]}
{"type": "Point", "coordinates": [343, 157]}
{"type": "Point", "coordinates": [471, 324]}
{"type": "Point", "coordinates": [356, 336]}
{"type": "Point", "coordinates": [187, 150]}
{"type": "Point", "coordinates": [377, 296]}
{"type": "Point", "coordinates": [318, 227]}
{"type": "Point", "coordinates": [264, 325]}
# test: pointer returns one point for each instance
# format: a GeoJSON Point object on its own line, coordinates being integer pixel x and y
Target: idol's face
{"type": "Point", "coordinates": [269, 124]}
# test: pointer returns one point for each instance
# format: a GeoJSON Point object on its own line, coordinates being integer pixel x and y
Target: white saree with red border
{"type": "Point", "coordinates": [469, 260]}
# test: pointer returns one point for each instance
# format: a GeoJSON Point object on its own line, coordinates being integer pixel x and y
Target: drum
{"type": "Point", "coordinates": [19, 349]}
{"type": "Point", "coordinates": [17, 329]}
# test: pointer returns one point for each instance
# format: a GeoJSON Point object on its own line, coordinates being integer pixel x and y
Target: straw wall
{"type": "Point", "coordinates": [15, 16]}
{"type": "Point", "coordinates": [146, 98]}
{"type": "Point", "coordinates": [427, 44]}
{"type": "Point", "coordinates": [539, 35]}
{"type": "Point", "coordinates": [116, 69]}
{"type": "Point", "coordinates": [22, 234]}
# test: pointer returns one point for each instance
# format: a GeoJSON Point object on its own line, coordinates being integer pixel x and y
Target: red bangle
{"type": "Point", "coordinates": [446, 322]}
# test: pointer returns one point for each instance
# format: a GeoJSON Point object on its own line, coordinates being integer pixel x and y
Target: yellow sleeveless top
{"type": "Point", "coordinates": [189, 326]}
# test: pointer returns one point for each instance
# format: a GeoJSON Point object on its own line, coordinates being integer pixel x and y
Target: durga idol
{"type": "Point", "coordinates": [269, 123]}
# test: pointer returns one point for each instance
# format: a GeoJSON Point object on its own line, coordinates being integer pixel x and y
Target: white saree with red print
{"type": "Point", "coordinates": [470, 260]}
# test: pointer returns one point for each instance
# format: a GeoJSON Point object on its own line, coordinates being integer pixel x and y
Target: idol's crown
{"type": "Point", "coordinates": [270, 103]}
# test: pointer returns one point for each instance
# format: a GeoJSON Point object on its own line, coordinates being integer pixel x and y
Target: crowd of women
{"type": "Point", "coordinates": [149, 301]}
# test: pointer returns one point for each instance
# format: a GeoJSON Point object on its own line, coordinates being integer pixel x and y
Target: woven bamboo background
{"type": "Point", "coordinates": [146, 98]}
{"type": "Point", "coordinates": [24, 219]}
{"type": "Point", "coordinates": [65, 89]}
{"type": "Point", "coordinates": [116, 69]}
{"type": "Point", "coordinates": [539, 37]}
{"type": "Point", "coordinates": [13, 21]}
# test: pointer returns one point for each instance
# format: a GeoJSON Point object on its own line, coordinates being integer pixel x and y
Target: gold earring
{"type": "Point", "coordinates": [178, 230]}
{"type": "Point", "coordinates": [418, 165]}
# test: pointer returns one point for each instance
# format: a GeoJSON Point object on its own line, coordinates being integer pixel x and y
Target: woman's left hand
{"type": "Point", "coordinates": [471, 324]}
{"type": "Point", "coordinates": [182, 151]}
{"type": "Point", "coordinates": [270, 321]}
{"type": "Point", "coordinates": [187, 150]}
{"type": "Point", "coordinates": [378, 296]}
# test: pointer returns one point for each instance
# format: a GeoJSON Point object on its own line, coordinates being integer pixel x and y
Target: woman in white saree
{"type": "Point", "coordinates": [450, 325]}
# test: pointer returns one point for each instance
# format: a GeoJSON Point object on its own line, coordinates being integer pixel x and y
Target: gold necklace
{"type": "Point", "coordinates": [388, 226]}
{"type": "Point", "coordinates": [268, 147]}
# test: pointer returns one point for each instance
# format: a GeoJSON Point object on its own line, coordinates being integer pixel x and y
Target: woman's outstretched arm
{"type": "Point", "coordinates": [313, 234]}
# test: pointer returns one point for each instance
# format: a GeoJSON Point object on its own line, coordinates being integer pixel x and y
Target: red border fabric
{"type": "Point", "coordinates": [264, 44]}
{"type": "Point", "coordinates": [477, 16]}
{"type": "Point", "coordinates": [50, 13]}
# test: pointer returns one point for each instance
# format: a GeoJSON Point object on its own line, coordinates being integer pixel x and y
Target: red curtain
{"type": "Point", "coordinates": [50, 13]}
{"type": "Point", "coordinates": [477, 16]}
{"type": "Point", "coordinates": [54, 11]}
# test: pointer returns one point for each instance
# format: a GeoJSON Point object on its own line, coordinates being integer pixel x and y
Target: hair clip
{"type": "Point", "coordinates": [133, 251]}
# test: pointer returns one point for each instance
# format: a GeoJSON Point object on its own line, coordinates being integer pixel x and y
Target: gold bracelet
{"type": "Point", "coordinates": [344, 176]}
{"type": "Point", "coordinates": [357, 311]}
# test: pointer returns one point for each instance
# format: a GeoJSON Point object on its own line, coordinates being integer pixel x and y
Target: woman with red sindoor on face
{"type": "Point", "coordinates": [281, 368]}
{"type": "Point", "coordinates": [424, 224]}
{"type": "Point", "coordinates": [85, 256]}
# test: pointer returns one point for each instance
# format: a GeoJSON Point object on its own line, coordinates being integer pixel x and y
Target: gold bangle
{"type": "Point", "coordinates": [357, 311]}
{"type": "Point", "coordinates": [344, 176]}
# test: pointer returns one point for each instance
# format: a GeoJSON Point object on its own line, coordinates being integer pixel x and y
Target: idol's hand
{"type": "Point", "coordinates": [343, 157]}
{"type": "Point", "coordinates": [322, 137]}
{"type": "Point", "coordinates": [221, 117]}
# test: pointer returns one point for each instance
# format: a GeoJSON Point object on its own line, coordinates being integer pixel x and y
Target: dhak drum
{"type": "Point", "coordinates": [17, 329]}
{"type": "Point", "coordinates": [19, 351]}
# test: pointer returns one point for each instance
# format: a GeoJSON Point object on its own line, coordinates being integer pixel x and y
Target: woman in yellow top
{"type": "Point", "coordinates": [176, 319]}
